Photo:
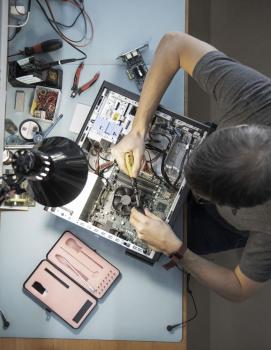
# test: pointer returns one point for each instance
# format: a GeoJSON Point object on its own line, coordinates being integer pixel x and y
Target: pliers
{"type": "Point", "coordinates": [75, 89]}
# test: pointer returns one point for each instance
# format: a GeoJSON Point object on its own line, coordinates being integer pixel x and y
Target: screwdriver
{"type": "Point", "coordinates": [129, 161]}
{"type": "Point", "coordinates": [44, 46]}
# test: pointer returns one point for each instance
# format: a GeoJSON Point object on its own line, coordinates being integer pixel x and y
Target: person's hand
{"type": "Point", "coordinates": [133, 142]}
{"type": "Point", "coordinates": [155, 232]}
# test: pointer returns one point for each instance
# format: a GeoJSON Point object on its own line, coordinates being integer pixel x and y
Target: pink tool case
{"type": "Point", "coordinates": [71, 280]}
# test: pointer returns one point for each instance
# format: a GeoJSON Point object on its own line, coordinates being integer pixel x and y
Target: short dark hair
{"type": "Point", "coordinates": [233, 166]}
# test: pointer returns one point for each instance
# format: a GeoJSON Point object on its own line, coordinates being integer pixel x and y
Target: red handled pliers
{"type": "Point", "coordinates": [75, 89]}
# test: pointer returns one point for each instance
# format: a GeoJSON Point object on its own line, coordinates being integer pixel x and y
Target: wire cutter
{"type": "Point", "coordinates": [75, 89]}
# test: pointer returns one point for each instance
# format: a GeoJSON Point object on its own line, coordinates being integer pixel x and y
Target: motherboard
{"type": "Point", "coordinates": [105, 203]}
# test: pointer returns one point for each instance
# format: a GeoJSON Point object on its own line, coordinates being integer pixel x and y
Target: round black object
{"type": "Point", "coordinates": [28, 128]}
{"type": "Point", "coordinates": [67, 176]}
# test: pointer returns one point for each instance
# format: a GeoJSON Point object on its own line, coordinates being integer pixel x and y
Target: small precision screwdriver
{"type": "Point", "coordinates": [44, 46]}
{"type": "Point", "coordinates": [129, 161]}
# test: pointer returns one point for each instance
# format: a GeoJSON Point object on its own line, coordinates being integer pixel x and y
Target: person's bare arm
{"type": "Point", "coordinates": [175, 51]}
{"type": "Point", "coordinates": [232, 285]}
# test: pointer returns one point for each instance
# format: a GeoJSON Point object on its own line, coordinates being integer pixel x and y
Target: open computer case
{"type": "Point", "coordinates": [103, 207]}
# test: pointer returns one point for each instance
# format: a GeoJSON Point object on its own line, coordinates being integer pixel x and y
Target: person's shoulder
{"type": "Point", "coordinates": [210, 60]}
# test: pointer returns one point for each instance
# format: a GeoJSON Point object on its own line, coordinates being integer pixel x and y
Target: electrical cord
{"type": "Point", "coordinates": [159, 133]}
{"type": "Point", "coordinates": [16, 31]}
{"type": "Point", "coordinates": [27, 18]}
{"type": "Point", "coordinates": [186, 155]}
{"type": "Point", "coordinates": [56, 25]}
{"type": "Point", "coordinates": [86, 19]}
{"type": "Point", "coordinates": [151, 165]}
{"type": "Point", "coordinates": [73, 23]}
{"type": "Point", "coordinates": [60, 33]}
{"type": "Point", "coordinates": [165, 176]}
{"type": "Point", "coordinates": [5, 321]}
{"type": "Point", "coordinates": [53, 20]}
{"type": "Point", "coordinates": [20, 25]}
{"type": "Point", "coordinates": [181, 166]}
{"type": "Point", "coordinates": [164, 154]}
{"type": "Point", "coordinates": [154, 159]}
{"type": "Point", "coordinates": [184, 323]}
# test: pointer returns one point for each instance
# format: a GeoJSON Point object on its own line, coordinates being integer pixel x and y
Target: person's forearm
{"type": "Point", "coordinates": [221, 280]}
{"type": "Point", "coordinates": [176, 50]}
{"type": "Point", "coordinates": [165, 64]}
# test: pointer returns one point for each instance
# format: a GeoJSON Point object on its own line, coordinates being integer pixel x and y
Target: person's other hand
{"type": "Point", "coordinates": [133, 142]}
{"type": "Point", "coordinates": [155, 232]}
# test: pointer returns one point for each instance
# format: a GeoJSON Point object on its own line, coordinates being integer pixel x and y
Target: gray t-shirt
{"type": "Point", "coordinates": [244, 97]}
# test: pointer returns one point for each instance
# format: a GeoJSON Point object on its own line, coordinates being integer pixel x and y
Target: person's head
{"type": "Point", "coordinates": [233, 166]}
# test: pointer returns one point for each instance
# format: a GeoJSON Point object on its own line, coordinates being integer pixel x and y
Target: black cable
{"type": "Point", "coordinates": [99, 175]}
{"type": "Point", "coordinates": [5, 321]}
{"type": "Point", "coordinates": [186, 154]}
{"type": "Point", "coordinates": [154, 172]}
{"type": "Point", "coordinates": [56, 29]}
{"type": "Point", "coordinates": [159, 133]}
{"type": "Point", "coordinates": [16, 31]}
{"type": "Point", "coordinates": [154, 148]}
{"type": "Point", "coordinates": [184, 323]}
{"type": "Point", "coordinates": [181, 167]}
{"type": "Point", "coordinates": [52, 19]}
{"type": "Point", "coordinates": [85, 17]}
{"type": "Point", "coordinates": [29, 5]}
{"type": "Point", "coordinates": [73, 23]}
{"type": "Point", "coordinates": [165, 176]}
{"type": "Point", "coordinates": [90, 167]}
{"type": "Point", "coordinates": [154, 159]}
{"type": "Point", "coordinates": [151, 165]}
{"type": "Point", "coordinates": [164, 152]}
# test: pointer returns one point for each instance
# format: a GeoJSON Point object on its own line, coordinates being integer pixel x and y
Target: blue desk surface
{"type": "Point", "coordinates": [146, 298]}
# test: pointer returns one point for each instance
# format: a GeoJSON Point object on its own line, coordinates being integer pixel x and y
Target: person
{"type": "Point", "coordinates": [229, 174]}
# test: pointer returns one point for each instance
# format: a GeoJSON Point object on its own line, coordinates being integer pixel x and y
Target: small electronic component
{"type": "Point", "coordinates": [45, 103]}
{"type": "Point", "coordinates": [136, 67]}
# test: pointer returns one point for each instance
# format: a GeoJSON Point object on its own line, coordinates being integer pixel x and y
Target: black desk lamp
{"type": "Point", "coordinates": [56, 171]}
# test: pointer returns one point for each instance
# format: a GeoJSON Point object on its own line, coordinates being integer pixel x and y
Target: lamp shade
{"type": "Point", "coordinates": [56, 171]}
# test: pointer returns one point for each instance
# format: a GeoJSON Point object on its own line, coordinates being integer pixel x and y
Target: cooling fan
{"type": "Point", "coordinates": [124, 200]}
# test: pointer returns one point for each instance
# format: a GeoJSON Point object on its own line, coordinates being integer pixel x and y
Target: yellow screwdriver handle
{"type": "Point", "coordinates": [129, 161]}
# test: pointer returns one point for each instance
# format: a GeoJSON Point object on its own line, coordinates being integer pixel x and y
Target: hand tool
{"type": "Point", "coordinates": [39, 136]}
{"type": "Point", "coordinates": [80, 274]}
{"type": "Point", "coordinates": [129, 161]}
{"type": "Point", "coordinates": [75, 89]}
{"type": "Point", "coordinates": [85, 266]}
{"type": "Point", "coordinates": [71, 243]}
{"type": "Point", "coordinates": [44, 46]}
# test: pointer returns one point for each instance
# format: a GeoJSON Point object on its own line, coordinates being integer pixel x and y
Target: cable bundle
{"type": "Point", "coordinates": [58, 27]}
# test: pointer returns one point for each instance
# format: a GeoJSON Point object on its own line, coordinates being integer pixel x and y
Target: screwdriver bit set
{"type": "Point", "coordinates": [71, 280]}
